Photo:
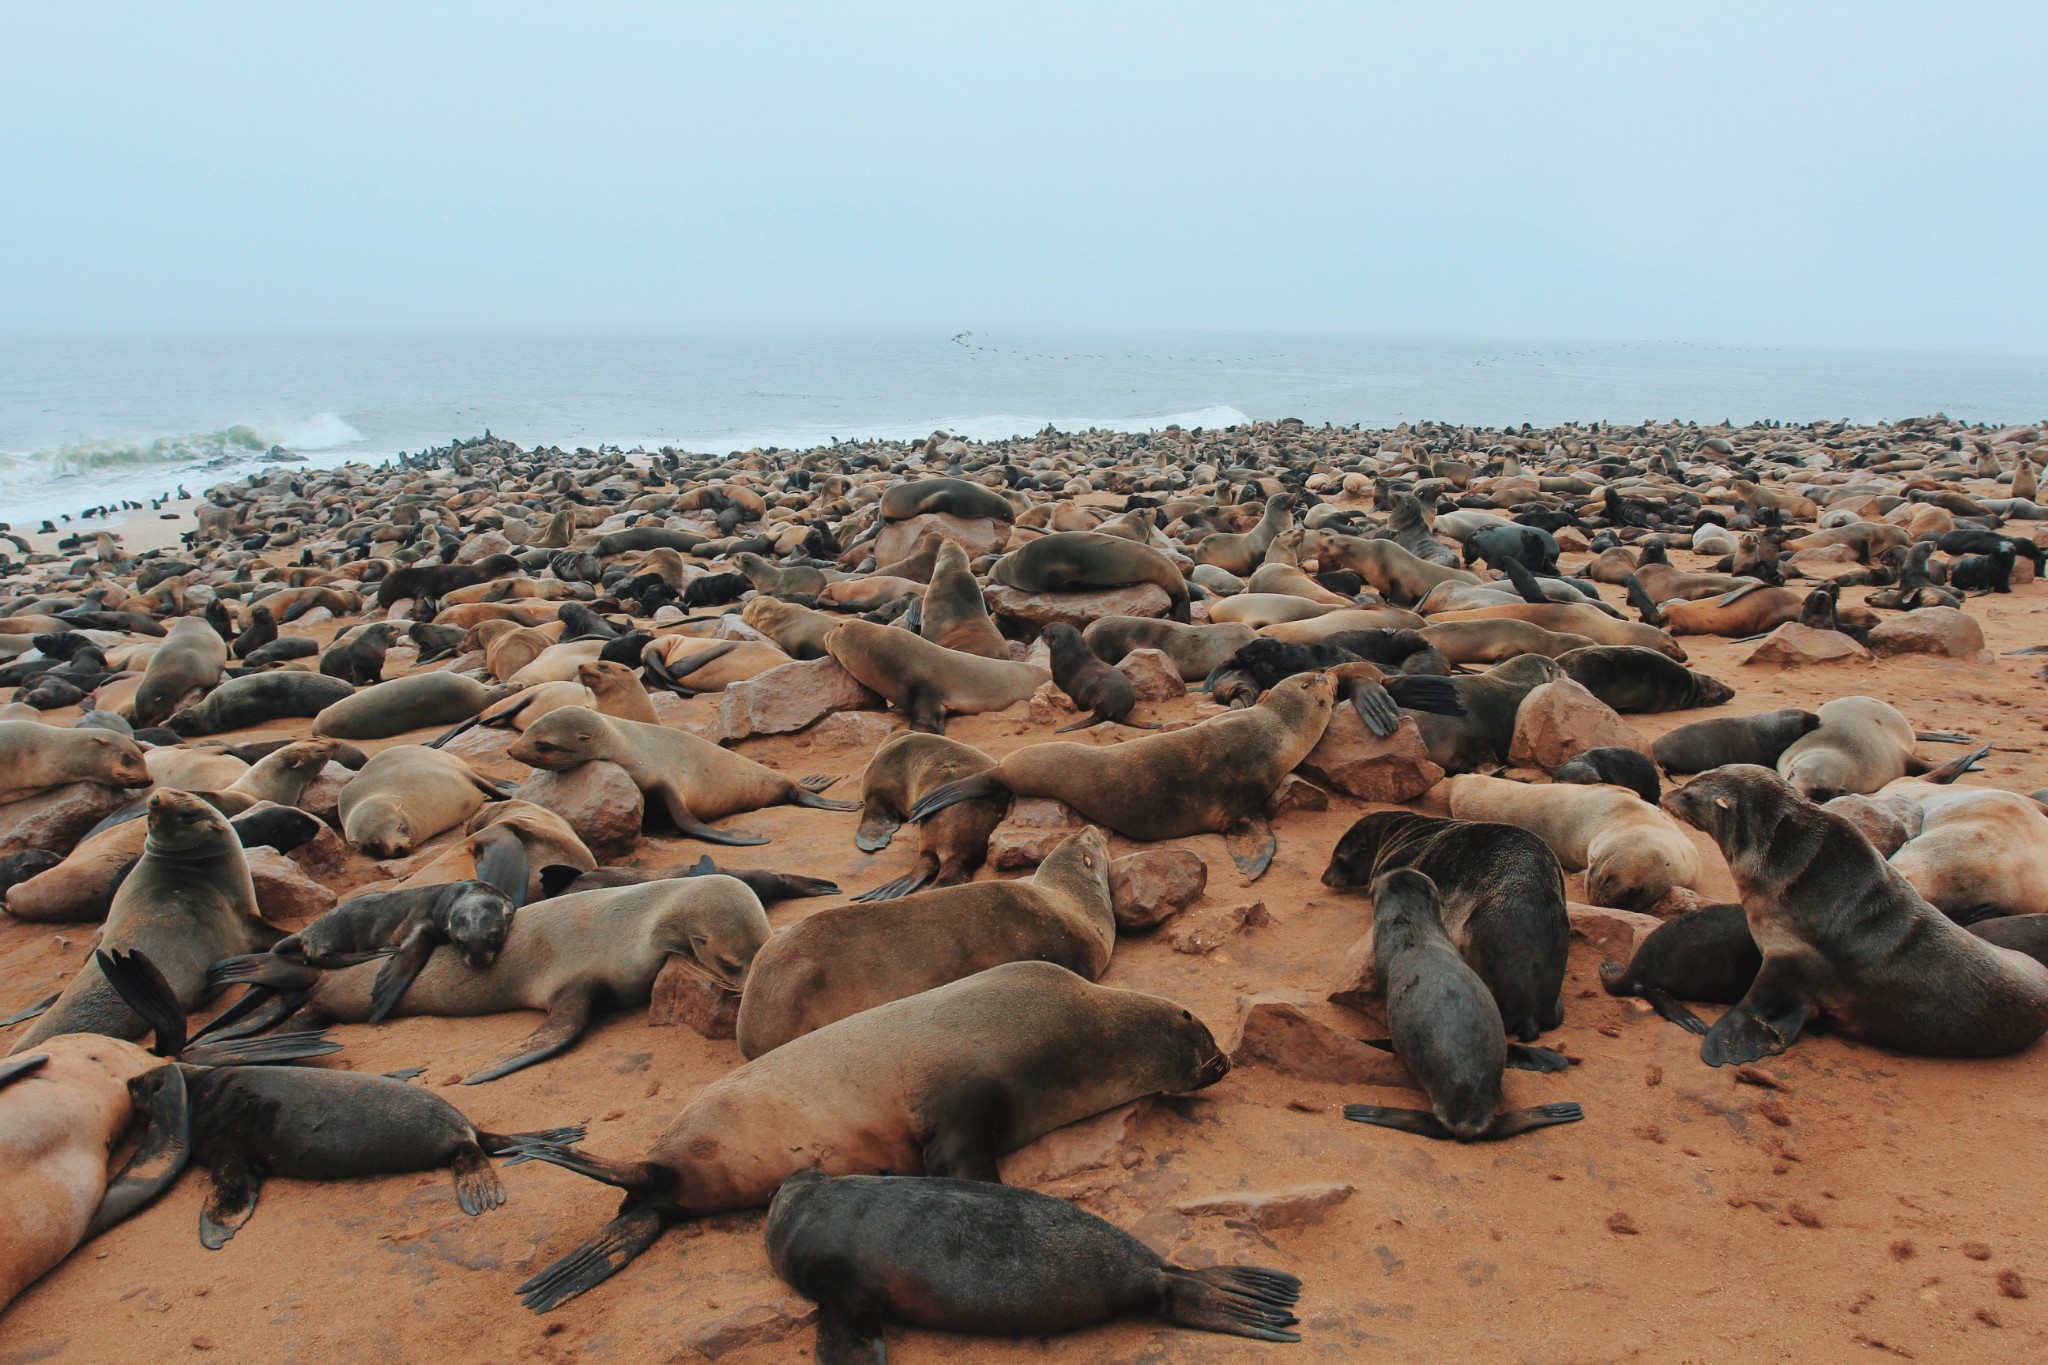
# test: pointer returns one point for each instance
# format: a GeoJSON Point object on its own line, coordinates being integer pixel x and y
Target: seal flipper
{"type": "Point", "coordinates": [597, 1260]}
{"type": "Point", "coordinates": [142, 988]}
{"type": "Point", "coordinates": [1420, 1122]}
{"type": "Point", "coordinates": [927, 712]}
{"type": "Point", "coordinates": [878, 825]}
{"type": "Point", "coordinates": [1375, 706]}
{"type": "Point", "coordinates": [1645, 605]}
{"type": "Point", "coordinates": [1240, 1301]}
{"type": "Point", "coordinates": [568, 1017]}
{"type": "Point", "coordinates": [693, 828]}
{"type": "Point", "coordinates": [1766, 1022]}
{"type": "Point", "coordinates": [927, 868]}
{"type": "Point", "coordinates": [232, 1200]}
{"type": "Point", "coordinates": [396, 976]}
{"type": "Point", "coordinates": [1252, 845]}
{"type": "Point", "coordinates": [1525, 582]}
{"type": "Point", "coordinates": [1522, 1057]}
{"type": "Point", "coordinates": [850, 1337]}
{"type": "Point", "coordinates": [14, 1068]}
{"type": "Point", "coordinates": [972, 788]}
{"type": "Point", "coordinates": [23, 1015]}
{"type": "Point", "coordinates": [477, 1187]}
{"type": "Point", "coordinates": [1669, 1005]}
{"type": "Point", "coordinates": [1945, 773]}
{"type": "Point", "coordinates": [1524, 1120]}
{"type": "Point", "coordinates": [557, 878]}
{"type": "Point", "coordinates": [158, 1159]}
{"type": "Point", "coordinates": [501, 862]}
{"type": "Point", "coordinates": [804, 792]}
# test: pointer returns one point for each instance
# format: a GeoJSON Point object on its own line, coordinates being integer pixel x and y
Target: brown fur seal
{"type": "Point", "coordinates": [955, 497]}
{"type": "Point", "coordinates": [188, 903]}
{"type": "Point", "coordinates": [1092, 685]}
{"type": "Point", "coordinates": [1632, 852]}
{"type": "Point", "coordinates": [950, 845]}
{"type": "Point", "coordinates": [774, 580]}
{"type": "Point", "coordinates": [1497, 641]}
{"type": "Point", "coordinates": [844, 960]}
{"type": "Point", "coordinates": [1211, 778]}
{"type": "Point", "coordinates": [1240, 554]}
{"type": "Point", "coordinates": [1845, 935]}
{"type": "Point", "coordinates": [257, 699]}
{"type": "Point", "coordinates": [1446, 1026]}
{"type": "Point", "coordinates": [406, 704]}
{"type": "Point", "coordinates": [187, 663]}
{"type": "Point", "coordinates": [1482, 736]}
{"type": "Point", "coordinates": [928, 682]}
{"type": "Point", "coordinates": [570, 956]}
{"type": "Point", "coordinates": [1075, 561]}
{"type": "Point", "coordinates": [953, 613]}
{"type": "Point", "coordinates": [1859, 745]}
{"type": "Point", "coordinates": [1746, 611]}
{"type": "Point", "coordinates": [1708, 744]}
{"type": "Point", "coordinates": [1975, 852]}
{"type": "Point", "coordinates": [1502, 897]}
{"type": "Point", "coordinates": [694, 779]}
{"type": "Point", "coordinates": [1397, 575]}
{"type": "Point", "coordinates": [941, 1083]}
{"type": "Point", "coordinates": [358, 657]}
{"type": "Point", "coordinates": [967, 1256]}
{"type": "Point", "coordinates": [1702, 955]}
{"type": "Point", "coordinates": [1195, 650]}
{"type": "Point", "coordinates": [692, 667]}
{"type": "Point", "coordinates": [36, 758]}
{"type": "Point", "coordinates": [1570, 618]}
{"type": "Point", "coordinates": [799, 631]}
{"type": "Point", "coordinates": [1629, 678]}
{"type": "Point", "coordinates": [406, 795]}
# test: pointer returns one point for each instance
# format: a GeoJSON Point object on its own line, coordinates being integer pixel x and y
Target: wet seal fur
{"type": "Point", "coordinates": [964, 1256]}
{"type": "Point", "coordinates": [843, 960]}
{"type": "Point", "coordinates": [1445, 1024]}
{"type": "Point", "coordinates": [942, 1083]}
{"type": "Point", "coordinates": [1501, 894]}
{"type": "Point", "coordinates": [1845, 935]}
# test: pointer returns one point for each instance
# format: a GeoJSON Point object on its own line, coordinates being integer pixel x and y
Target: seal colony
{"type": "Point", "coordinates": [541, 681]}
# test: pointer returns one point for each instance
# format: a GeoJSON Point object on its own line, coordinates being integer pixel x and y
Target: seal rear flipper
{"type": "Point", "coordinates": [878, 825]}
{"type": "Point", "coordinates": [568, 1017]}
{"type": "Point", "coordinates": [977, 787]}
{"type": "Point", "coordinates": [805, 793]}
{"type": "Point", "coordinates": [1945, 773]}
{"type": "Point", "coordinates": [508, 1144]}
{"type": "Point", "coordinates": [1645, 605]}
{"type": "Point", "coordinates": [477, 1187]}
{"type": "Point", "coordinates": [692, 828]}
{"type": "Point", "coordinates": [557, 878]}
{"type": "Point", "coordinates": [1672, 1008]}
{"type": "Point", "coordinates": [14, 1068]}
{"type": "Point", "coordinates": [1239, 1301]}
{"type": "Point", "coordinates": [1943, 736]}
{"type": "Point", "coordinates": [231, 1202]}
{"type": "Point", "coordinates": [1252, 845]}
{"type": "Point", "coordinates": [785, 886]}
{"type": "Point", "coordinates": [1524, 1120]}
{"type": "Point", "coordinates": [850, 1338]}
{"type": "Point", "coordinates": [271, 1051]}
{"type": "Point", "coordinates": [1522, 1057]}
{"type": "Point", "coordinates": [1092, 720]}
{"type": "Point", "coordinates": [927, 868]}
{"type": "Point", "coordinates": [142, 988]}
{"type": "Point", "coordinates": [597, 1260]}
{"type": "Point", "coordinates": [501, 862]}
{"type": "Point", "coordinates": [259, 1008]}
{"type": "Point", "coordinates": [439, 740]}
{"type": "Point", "coordinates": [158, 1159]}
{"type": "Point", "coordinates": [28, 1012]}
{"type": "Point", "coordinates": [267, 970]}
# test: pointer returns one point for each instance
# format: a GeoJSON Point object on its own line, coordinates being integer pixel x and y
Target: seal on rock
{"type": "Point", "coordinates": [928, 682]}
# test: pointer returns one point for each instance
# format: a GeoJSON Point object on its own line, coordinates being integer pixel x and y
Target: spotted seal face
{"type": "Point", "coordinates": [477, 922]}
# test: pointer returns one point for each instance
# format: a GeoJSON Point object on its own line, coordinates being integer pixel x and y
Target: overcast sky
{"type": "Point", "coordinates": [1858, 175]}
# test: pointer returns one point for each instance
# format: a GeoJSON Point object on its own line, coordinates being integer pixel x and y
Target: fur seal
{"type": "Point", "coordinates": [1446, 1026]}
{"type": "Point", "coordinates": [1378, 698]}
{"type": "Point", "coordinates": [1702, 955]}
{"type": "Point", "coordinates": [772, 887]}
{"type": "Point", "coordinates": [1859, 745]}
{"type": "Point", "coordinates": [954, 497]}
{"type": "Point", "coordinates": [36, 758]}
{"type": "Point", "coordinates": [358, 658]}
{"type": "Point", "coordinates": [1751, 610]}
{"type": "Point", "coordinates": [188, 903]}
{"type": "Point", "coordinates": [1499, 640]}
{"type": "Point", "coordinates": [1614, 766]}
{"type": "Point", "coordinates": [1195, 650]}
{"type": "Point", "coordinates": [941, 1083]}
{"type": "Point", "coordinates": [966, 1256]}
{"type": "Point", "coordinates": [1395, 574]}
{"type": "Point", "coordinates": [689, 667]}
{"type": "Point", "coordinates": [1975, 852]}
{"type": "Point", "coordinates": [1482, 736]}
{"type": "Point", "coordinates": [249, 1122]}
{"type": "Point", "coordinates": [953, 614]}
{"type": "Point", "coordinates": [694, 779]}
{"type": "Point", "coordinates": [1844, 934]}
{"type": "Point", "coordinates": [189, 660]}
{"type": "Point", "coordinates": [1092, 685]}
{"type": "Point", "coordinates": [799, 631]}
{"type": "Point", "coordinates": [950, 845]}
{"type": "Point", "coordinates": [1240, 554]}
{"type": "Point", "coordinates": [1075, 561]}
{"type": "Point", "coordinates": [570, 956]}
{"type": "Point", "coordinates": [1211, 778]}
{"type": "Point", "coordinates": [1630, 678]}
{"type": "Point", "coordinates": [1632, 852]}
{"type": "Point", "coordinates": [257, 699]}
{"type": "Point", "coordinates": [1501, 894]}
{"type": "Point", "coordinates": [406, 795]}
{"type": "Point", "coordinates": [1708, 744]}
{"type": "Point", "coordinates": [927, 682]}
{"type": "Point", "coordinates": [851, 958]}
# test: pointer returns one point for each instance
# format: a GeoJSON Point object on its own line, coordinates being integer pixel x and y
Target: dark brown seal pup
{"type": "Point", "coordinates": [1501, 893]}
{"type": "Point", "coordinates": [1445, 1024]}
{"type": "Point", "coordinates": [257, 699]}
{"type": "Point", "coordinates": [1630, 678]}
{"type": "Point", "coordinates": [941, 1084]}
{"type": "Point", "coordinates": [1844, 934]}
{"type": "Point", "coordinates": [1612, 766]}
{"type": "Point", "coordinates": [693, 779]}
{"type": "Point", "coordinates": [1378, 698]}
{"type": "Point", "coordinates": [187, 903]}
{"type": "Point", "coordinates": [1211, 778]}
{"type": "Point", "coordinates": [964, 1256]}
{"type": "Point", "coordinates": [359, 658]}
{"type": "Point", "coordinates": [248, 1122]}
{"type": "Point", "coordinates": [853, 957]}
{"type": "Point", "coordinates": [1704, 954]}
{"type": "Point", "coordinates": [951, 845]}
{"type": "Point", "coordinates": [1092, 685]}
{"type": "Point", "coordinates": [1074, 561]}
{"type": "Point", "coordinates": [1758, 739]}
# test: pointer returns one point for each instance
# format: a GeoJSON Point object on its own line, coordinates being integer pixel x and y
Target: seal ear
{"type": "Point", "coordinates": [1725, 802]}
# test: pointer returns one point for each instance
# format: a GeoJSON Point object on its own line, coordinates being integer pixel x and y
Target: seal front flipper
{"type": "Point", "coordinates": [568, 1017]}
{"type": "Point", "coordinates": [501, 862]}
{"type": "Point", "coordinates": [1523, 1120]}
{"type": "Point", "coordinates": [1766, 1022]}
{"type": "Point", "coordinates": [961, 1143]}
{"type": "Point", "coordinates": [396, 976]}
{"type": "Point", "coordinates": [23, 1015]}
{"type": "Point", "coordinates": [878, 825]}
{"type": "Point", "coordinates": [1375, 706]}
{"type": "Point", "coordinates": [1251, 844]}
{"type": "Point", "coordinates": [1522, 1057]}
{"type": "Point", "coordinates": [1420, 1122]}
{"type": "Point", "coordinates": [693, 828]}
{"type": "Point", "coordinates": [477, 1187]}
{"type": "Point", "coordinates": [973, 788]}
{"type": "Point", "coordinates": [158, 1159]}
{"type": "Point", "coordinates": [597, 1260]}
{"type": "Point", "coordinates": [1668, 1005]}
{"type": "Point", "coordinates": [232, 1200]}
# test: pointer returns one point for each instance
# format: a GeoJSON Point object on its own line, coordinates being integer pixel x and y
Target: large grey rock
{"type": "Point", "coordinates": [1359, 763]}
{"type": "Point", "coordinates": [599, 802]}
{"type": "Point", "coordinates": [1037, 610]}
{"type": "Point", "coordinates": [977, 535]}
{"type": "Point", "coordinates": [57, 820]}
{"type": "Point", "coordinates": [789, 697]}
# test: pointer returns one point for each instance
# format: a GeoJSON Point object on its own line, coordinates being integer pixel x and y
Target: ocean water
{"type": "Point", "coordinates": [89, 419]}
